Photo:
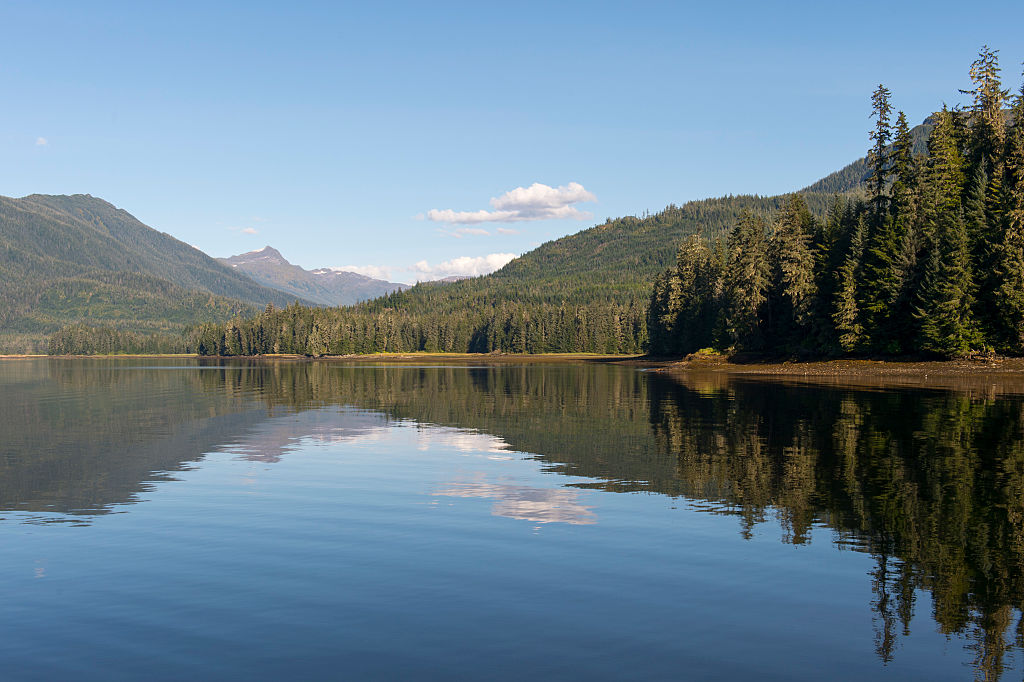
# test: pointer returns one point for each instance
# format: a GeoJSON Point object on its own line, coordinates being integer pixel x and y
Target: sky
{"type": "Point", "coordinates": [416, 140]}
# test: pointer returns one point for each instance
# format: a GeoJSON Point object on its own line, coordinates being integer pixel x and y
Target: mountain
{"type": "Point", "coordinates": [68, 259]}
{"type": "Point", "coordinates": [324, 285]}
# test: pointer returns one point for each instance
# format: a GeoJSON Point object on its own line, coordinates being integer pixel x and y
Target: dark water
{"type": "Point", "coordinates": [309, 521]}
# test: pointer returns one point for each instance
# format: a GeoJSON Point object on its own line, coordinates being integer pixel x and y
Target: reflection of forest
{"type": "Point", "coordinates": [930, 483]}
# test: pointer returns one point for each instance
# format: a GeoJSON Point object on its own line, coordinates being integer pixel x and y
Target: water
{"type": "Point", "coordinates": [271, 520]}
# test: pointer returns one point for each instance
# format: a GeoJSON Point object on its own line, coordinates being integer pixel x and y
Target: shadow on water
{"type": "Point", "coordinates": [929, 483]}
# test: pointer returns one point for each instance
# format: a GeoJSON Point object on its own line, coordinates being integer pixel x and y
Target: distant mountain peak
{"type": "Point", "coordinates": [327, 286]}
{"type": "Point", "coordinates": [268, 254]}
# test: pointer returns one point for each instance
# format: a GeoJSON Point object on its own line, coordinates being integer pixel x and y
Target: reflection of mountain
{"type": "Point", "coordinates": [539, 505]}
{"type": "Point", "coordinates": [80, 437]}
{"type": "Point", "coordinates": [930, 483]}
{"type": "Point", "coordinates": [273, 438]}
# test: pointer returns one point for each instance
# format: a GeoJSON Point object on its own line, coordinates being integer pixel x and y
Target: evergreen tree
{"type": "Point", "coordinates": [1009, 292]}
{"type": "Point", "coordinates": [793, 281]}
{"type": "Point", "coordinates": [881, 273]}
{"type": "Point", "coordinates": [904, 214]}
{"type": "Point", "coordinates": [881, 109]}
{"type": "Point", "coordinates": [746, 283]}
{"type": "Point", "coordinates": [946, 301]}
{"type": "Point", "coordinates": [848, 317]}
{"type": "Point", "coordinates": [988, 131]}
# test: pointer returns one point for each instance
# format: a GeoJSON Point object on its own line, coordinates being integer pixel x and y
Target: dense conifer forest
{"type": "Point", "coordinates": [916, 249]}
{"type": "Point", "coordinates": [930, 261]}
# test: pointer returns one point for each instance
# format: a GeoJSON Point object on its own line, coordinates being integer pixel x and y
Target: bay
{"type": "Point", "coordinates": [270, 519]}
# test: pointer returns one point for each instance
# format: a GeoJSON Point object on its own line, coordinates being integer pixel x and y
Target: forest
{"type": "Point", "coordinates": [929, 262]}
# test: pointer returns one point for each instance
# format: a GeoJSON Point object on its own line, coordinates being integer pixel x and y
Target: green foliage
{"type": "Point", "coordinates": [506, 327]}
{"type": "Point", "coordinates": [794, 289]}
{"type": "Point", "coordinates": [1009, 294]}
{"type": "Point", "coordinates": [747, 279]}
{"type": "Point", "coordinates": [686, 301]}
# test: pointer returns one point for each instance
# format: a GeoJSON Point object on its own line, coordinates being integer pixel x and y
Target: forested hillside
{"type": "Point", "coordinates": [69, 259]}
{"type": "Point", "coordinates": [931, 261]}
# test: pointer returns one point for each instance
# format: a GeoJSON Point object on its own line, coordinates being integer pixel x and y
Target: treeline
{"type": "Point", "coordinates": [931, 261]}
{"type": "Point", "coordinates": [507, 326]}
{"type": "Point", "coordinates": [81, 339]}
{"type": "Point", "coordinates": [302, 330]}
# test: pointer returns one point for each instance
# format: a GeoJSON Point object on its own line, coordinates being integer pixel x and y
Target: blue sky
{"type": "Point", "coordinates": [332, 131]}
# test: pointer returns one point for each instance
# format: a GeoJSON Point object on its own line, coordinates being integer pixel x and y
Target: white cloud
{"type": "Point", "coordinates": [463, 266]}
{"type": "Point", "coordinates": [538, 197]}
{"type": "Point", "coordinates": [508, 230]}
{"type": "Point", "coordinates": [536, 202]}
{"type": "Point", "coordinates": [447, 215]}
{"type": "Point", "coordinates": [374, 271]}
{"type": "Point", "coordinates": [42, 142]}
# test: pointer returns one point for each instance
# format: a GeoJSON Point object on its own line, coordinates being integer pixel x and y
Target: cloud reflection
{"type": "Point", "coordinates": [538, 505]}
{"type": "Point", "coordinates": [271, 440]}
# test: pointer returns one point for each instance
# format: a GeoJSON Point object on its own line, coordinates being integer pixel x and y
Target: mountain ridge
{"type": "Point", "coordinates": [327, 286]}
{"type": "Point", "coordinates": [67, 259]}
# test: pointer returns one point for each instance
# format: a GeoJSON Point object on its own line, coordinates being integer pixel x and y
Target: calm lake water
{"type": "Point", "coordinates": [273, 520]}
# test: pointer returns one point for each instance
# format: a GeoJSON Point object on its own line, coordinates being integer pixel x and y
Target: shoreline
{"type": "Point", "coordinates": [990, 375]}
{"type": "Point", "coordinates": [985, 377]}
{"type": "Point", "coordinates": [389, 358]}
{"type": "Point", "coordinates": [669, 365]}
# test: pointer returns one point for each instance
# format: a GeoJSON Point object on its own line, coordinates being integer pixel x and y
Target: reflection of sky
{"type": "Point", "coordinates": [539, 505]}
{"type": "Point", "coordinates": [271, 440]}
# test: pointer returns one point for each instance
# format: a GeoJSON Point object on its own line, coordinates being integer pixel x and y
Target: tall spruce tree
{"type": "Point", "coordinates": [848, 317]}
{"type": "Point", "coordinates": [903, 210]}
{"type": "Point", "coordinates": [746, 283]}
{"type": "Point", "coordinates": [883, 246]}
{"type": "Point", "coordinates": [1009, 292]}
{"type": "Point", "coordinates": [945, 304]}
{"type": "Point", "coordinates": [794, 289]}
{"type": "Point", "coordinates": [984, 200]}
{"type": "Point", "coordinates": [988, 130]}
{"type": "Point", "coordinates": [878, 155]}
